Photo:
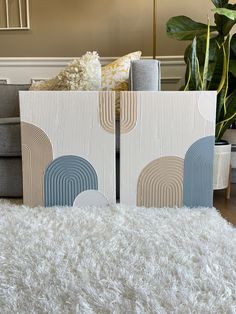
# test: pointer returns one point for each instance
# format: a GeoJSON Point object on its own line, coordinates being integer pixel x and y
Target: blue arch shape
{"type": "Point", "coordinates": [198, 173]}
{"type": "Point", "coordinates": [65, 178]}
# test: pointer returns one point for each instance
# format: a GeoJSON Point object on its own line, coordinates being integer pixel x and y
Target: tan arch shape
{"type": "Point", "coordinates": [160, 184]}
{"type": "Point", "coordinates": [107, 102]}
{"type": "Point", "coordinates": [37, 153]}
{"type": "Point", "coordinates": [128, 111]}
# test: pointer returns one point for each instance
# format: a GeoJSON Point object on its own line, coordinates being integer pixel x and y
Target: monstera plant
{"type": "Point", "coordinates": [211, 59]}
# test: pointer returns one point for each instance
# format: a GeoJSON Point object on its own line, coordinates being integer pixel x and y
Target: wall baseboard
{"type": "Point", "coordinates": [27, 70]}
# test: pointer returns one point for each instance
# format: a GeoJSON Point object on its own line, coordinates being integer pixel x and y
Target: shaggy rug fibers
{"type": "Point", "coordinates": [120, 260]}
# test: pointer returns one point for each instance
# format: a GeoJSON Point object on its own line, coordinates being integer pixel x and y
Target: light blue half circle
{"type": "Point", "coordinates": [65, 178]}
{"type": "Point", "coordinates": [198, 173]}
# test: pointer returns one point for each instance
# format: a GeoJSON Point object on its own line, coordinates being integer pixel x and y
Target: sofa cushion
{"type": "Point", "coordinates": [10, 139]}
{"type": "Point", "coordinates": [115, 76]}
{"type": "Point", "coordinates": [82, 74]}
{"type": "Point", "coordinates": [144, 75]}
{"type": "Point", "coordinates": [11, 177]}
{"type": "Point", "coordinates": [9, 99]}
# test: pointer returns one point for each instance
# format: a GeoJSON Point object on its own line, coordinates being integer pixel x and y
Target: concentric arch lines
{"type": "Point", "coordinates": [107, 111]}
{"type": "Point", "coordinates": [128, 111]}
{"type": "Point", "coordinates": [66, 177]}
{"type": "Point", "coordinates": [35, 143]}
{"type": "Point", "coordinates": [160, 184]}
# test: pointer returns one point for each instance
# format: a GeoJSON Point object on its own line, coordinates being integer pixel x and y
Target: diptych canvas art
{"type": "Point", "coordinates": [166, 148]}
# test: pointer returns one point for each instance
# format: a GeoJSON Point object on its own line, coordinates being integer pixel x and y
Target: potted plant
{"type": "Point", "coordinates": [211, 65]}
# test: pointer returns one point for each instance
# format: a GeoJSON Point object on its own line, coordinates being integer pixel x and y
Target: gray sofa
{"type": "Point", "coordinates": [10, 143]}
{"type": "Point", "coordinates": [144, 75]}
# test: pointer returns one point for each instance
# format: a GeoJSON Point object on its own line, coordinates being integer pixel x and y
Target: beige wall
{"type": "Point", "coordinates": [66, 28]}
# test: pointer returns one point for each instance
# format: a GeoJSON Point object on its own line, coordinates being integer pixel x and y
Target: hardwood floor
{"type": "Point", "coordinates": [226, 207]}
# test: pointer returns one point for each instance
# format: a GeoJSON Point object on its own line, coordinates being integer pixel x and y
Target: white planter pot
{"type": "Point", "coordinates": [222, 161]}
{"type": "Point", "coordinates": [230, 136]}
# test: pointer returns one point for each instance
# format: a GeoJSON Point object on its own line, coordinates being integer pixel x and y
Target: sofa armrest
{"type": "Point", "coordinates": [9, 99]}
{"type": "Point", "coordinates": [144, 75]}
{"type": "Point", "coordinates": [14, 120]}
{"type": "Point", "coordinates": [10, 138]}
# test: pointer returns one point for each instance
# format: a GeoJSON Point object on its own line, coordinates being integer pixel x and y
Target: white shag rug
{"type": "Point", "coordinates": [120, 260]}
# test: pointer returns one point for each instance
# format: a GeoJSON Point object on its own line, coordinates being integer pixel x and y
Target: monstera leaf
{"type": "Point", "coordinates": [220, 3]}
{"type": "Point", "coordinates": [184, 28]}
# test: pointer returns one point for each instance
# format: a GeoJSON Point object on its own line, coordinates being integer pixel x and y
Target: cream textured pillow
{"type": "Point", "coordinates": [115, 75]}
{"type": "Point", "coordinates": [81, 74]}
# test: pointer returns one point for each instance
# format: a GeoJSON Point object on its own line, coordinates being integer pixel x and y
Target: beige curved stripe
{"type": "Point", "coordinates": [160, 184]}
{"type": "Point", "coordinates": [36, 154]}
{"type": "Point", "coordinates": [107, 102]}
{"type": "Point", "coordinates": [128, 111]}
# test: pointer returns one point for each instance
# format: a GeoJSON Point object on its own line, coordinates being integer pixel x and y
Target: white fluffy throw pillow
{"type": "Point", "coordinates": [81, 74]}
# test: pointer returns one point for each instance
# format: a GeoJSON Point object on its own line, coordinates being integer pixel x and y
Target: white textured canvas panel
{"type": "Point", "coordinates": [72, 123]}
{"type": "Point", "coordinates": [160, 124]}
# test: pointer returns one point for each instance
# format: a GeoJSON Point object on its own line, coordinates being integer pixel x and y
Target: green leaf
{"type": "Point", "coordinates": [232, 83]}
{"type": "Point", "coordinates": [193, 78]}
{"type": "Point", "coordinates": [188, 76]}
{"type": "Point", "coordinates": [217, 69]}
{"type": "Point", "coordinates": [193, 75]}
{"type": "Point", "coordinates": [187, 53]}
{"type": "Point", "coordinates": [206, 63]}
{"type": "Point", "coordinates": [231, 106]}
{"type": "Point", "coordinates": [224, 78]}
{"type": "Point", "coordinates": [223, 23]}
{"type": "Point", "coordinates": [230, 14]}
{"type": "Point", "coordinates": [220, 3]}
{"type": "Point", "coordinates": [223, 87]}
{"type": "Point", "coordinates": [229, 118]}
{"type": "Point", "coordinates": [233, 45]}
{"type": "Point", "coordinates": [184, 28]}
{"type": "Point", "coordinates": [201, 49]}
{"type": "Point", "coordinates": [196, 80]}
{"type": "Point", "coordinates": [232, 67]}
{"type": "Point", "coordinates": [211, 69]}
